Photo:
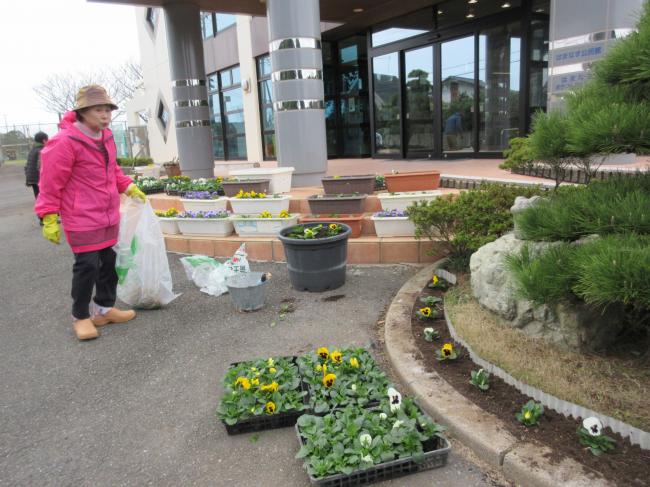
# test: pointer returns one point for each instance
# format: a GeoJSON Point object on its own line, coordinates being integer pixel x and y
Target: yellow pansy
{"type": "Point", "coordinates": [266, 214]}
{"type": "Point", "coordinates": [333, 226]}
{"type": "Point", "coordinates": [337, 357]}
{"type": "Point", "coordinates": [270, 407]}
{"type": "Point", "coordinates": [447, 348]}
{"type": "Point", "coordinates": [354, 362]}
{"type": "Point", "coordinates": [323, 353]}
{"type": "Point", "coordinates": [434, 281]}
{"type": "Point", "coordinates": [425, 311]}
{"type": "Point", "coordinates": [272, 387]}
{"type": "Point", "coordinates": [244, 382]}
{"type": "Point", "coordinates": [272, 370]}
{"type": "Point", "coordinates": [284, 214]}
{"type": "Point", "coordinates": [527, 415]}
{"type": "Point", "coordinates": [255, 382]}
{"type": "Point", "coordinates": [328, 380]}
{"type": "Point", "coordinates": [270, 362]}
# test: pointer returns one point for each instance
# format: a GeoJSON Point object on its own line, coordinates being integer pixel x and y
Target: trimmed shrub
{"type": "Point", "coordinates": [518, 155]}
{"type": "Point", "coordinates": [469, 220]}
{"type": "Point", "coordinates": [134, 161]}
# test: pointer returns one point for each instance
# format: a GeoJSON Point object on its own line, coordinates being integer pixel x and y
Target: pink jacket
{"type": "Point", "coordinates": [80, 184]}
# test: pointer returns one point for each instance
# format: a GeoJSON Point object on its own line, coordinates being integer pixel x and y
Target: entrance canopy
{"type": "Point", "coordinates": [356, 15]}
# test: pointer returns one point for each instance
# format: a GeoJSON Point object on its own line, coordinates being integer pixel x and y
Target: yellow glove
{"type": "Point", "coordinates": [134, 192]}
{"type": "Point", "coordinates": [51, 229]}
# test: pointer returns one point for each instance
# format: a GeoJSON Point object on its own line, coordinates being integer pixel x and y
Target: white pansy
{"type": "Point", "coordinates": [397, 424]}
{"type": "Point", "coordinates": [394, 399]}
{"type": "Point", "coordinates": [593, 426]}
{"type": "Point", "coordinates": [365, 440]}
{"type": "Point", "coordinates": [353, 387]}
{"type": "Point", "coordinates": [382, 416]}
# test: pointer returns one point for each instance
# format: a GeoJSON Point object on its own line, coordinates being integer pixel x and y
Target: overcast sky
{"type": "Point", "coordinates": [43, 37]}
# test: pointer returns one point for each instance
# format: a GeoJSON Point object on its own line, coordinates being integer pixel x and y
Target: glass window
{"type": "Point", "coordinates": [410, 25]}
{"type": "Point", "coordinates": [224, 21]}
{"type": "Point", "coordinates": [418, 66]}
{"type": "Point", "coordinates": [266, 105]}
{"type": "Point", "coordinates": [233, 100]}
{"type": "Point", "coordinates": [499, 68]}
{"type": "Point", "coordinates": [264, 66]}
{"type": "Point", "coordinates": [163, 114]}
{"type": "Point", "coordinates": [457, 83]}
{"type": "Point", "coordinates": [207, 25]}
{"type": "Point", "coordinates": [538, 66]}
{"type": "Point", "coordinates": [226, 109]}
{"type": "Point", "coordinates": [386, 81]}
{"type": "Point", "coordinates": [266, 91]}
{"type": "Point", "coordinates": [213, 82]}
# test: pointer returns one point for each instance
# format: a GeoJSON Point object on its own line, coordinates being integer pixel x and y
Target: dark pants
{"type": "Point", "coordinates": [93, 269]}
{"type": "Point", "coordinates": [35, 189]}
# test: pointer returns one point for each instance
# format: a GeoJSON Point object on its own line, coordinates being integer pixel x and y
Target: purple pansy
{"type": "Point", "coordinates": [391, 214]}
{"type": "Point", "coordinates": [201, 195]}
{"type": "Point", "coordinates": [204, 214]}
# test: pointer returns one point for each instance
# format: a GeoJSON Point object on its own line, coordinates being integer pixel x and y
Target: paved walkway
{"type": "Point", "coordinates": [136, 406]}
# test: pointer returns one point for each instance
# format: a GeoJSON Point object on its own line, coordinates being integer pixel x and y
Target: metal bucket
{"type": "Point", "coordinates": [247, 291]}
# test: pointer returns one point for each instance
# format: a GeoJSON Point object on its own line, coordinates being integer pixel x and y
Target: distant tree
{"type": "Point", "coordinates": [57, 93]}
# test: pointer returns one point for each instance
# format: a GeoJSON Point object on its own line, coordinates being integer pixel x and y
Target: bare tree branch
{"type": "Point", "coordinates": [57, 94]}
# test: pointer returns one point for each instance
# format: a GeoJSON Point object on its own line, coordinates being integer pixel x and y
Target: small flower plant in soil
{"type": "Point", "coordinates": [480, 379]}
{"type": "Point", "coordinates": [204, 214]}
{"type": "Point", "coordinates": [447, 352]}
{"type": "Point", "coordinates": [149, 183]}
{"type": "Point", "coordinates": [430, 334]}
{"type": "Point", "coordinates": [170, 213]}
{"type": "Point", "coordinates": [340, 377]}
{"type": "Point", "coordinates": [530, 413]}
{"type": "Point", "coordinates": [303, 232]}
{"type": "Point", "coordinates": [268, 214]}
{"type": "Point", "coordinates": [353, 438]}
{"type": "Point", "coordinates": [201, 195]}
{"type": "Point", "coordinates": [590, 435]}
{"type": "Point", "coordinates": [427, 313]}
{"type": "Point", "coordinates": [266, 386]}
{"type": "Point", "coordinates": [437, 283]}
{"type": "Point", "coordinates": [253, 195]}
{"type": "Point", "coordinates": [391, 214]}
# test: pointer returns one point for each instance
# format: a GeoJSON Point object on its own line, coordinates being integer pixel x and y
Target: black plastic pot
{"type": "Point", "coordinates": [316, 265]}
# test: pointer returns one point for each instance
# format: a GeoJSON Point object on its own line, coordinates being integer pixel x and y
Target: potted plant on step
{"type": "Point", "coordinates": [336, 203]}
{"type": "Point", "coordinates": [317, 255]}
{"type": "Point", "coordinates": [204, 201]}
{"type": "Point", "coordinates": [168, 220]}
{"type": "Point", "coordinates": [212, 223]}
{"type": "Point", "coordinates": [233, 186]}
{"type": "Point", "coordinates": [354, 221]}
{"type": "Point", "coordinates": [266, 224]}
{"type": "Point", "coordinates": [254, 203]}
{"type": "Point", "coordinates": [393, 223]}
{"type": "Point", "coordinates": [412, 181]}
{"type": "Point", "coordinates": [364, 184]}
{"type": "Point", "coordinates": [172, 168]}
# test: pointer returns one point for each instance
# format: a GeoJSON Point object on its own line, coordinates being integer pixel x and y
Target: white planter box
{"type": "Point", "coordinates": [147, 171]}
{"type": "Point", "coordinates": [220, 204]}
{"type": "Point", "coordinates": [280, 177]}
{"type": "Point", "coordinates": [401, 201]}
{"type": "Point", "coordinates": [255, 206]}
{"type": "Point", "coordinates": [395, 226]}
{"type": "Point", "coordinates": [216, 227]}
{"type": "Point", "coordinates": [169, 225]}
{"type": "Point", "coordinates": [262, 227]}
{"type": "Point", "coordinates": [223, 168]}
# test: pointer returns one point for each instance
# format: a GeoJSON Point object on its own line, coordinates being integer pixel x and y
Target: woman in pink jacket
{"type": "Point", "coordinates": [80, 183]}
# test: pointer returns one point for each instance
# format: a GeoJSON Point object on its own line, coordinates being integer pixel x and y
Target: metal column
{"type": "Point", "coordinates": [297, 78]}
{"type": "Point", "coordinates": [189, 91]}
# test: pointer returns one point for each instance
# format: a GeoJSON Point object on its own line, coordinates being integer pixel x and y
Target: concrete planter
{"type": "Point", "coordinates": [395, 226]}
{"type": "Point", "coordinates": [401, 201]}
{"type": "Point", "coordinates": [412, 181]}
{"type": "Point", "coordinates": [279, 177]}
{"type": "Point", "coordinates": [349, 184]}
{"type": "Point", "coordinates": [613, 159]}
{"type": "Point", "coordinates": [255, 226]}
{"type": "Point", "coordinates": [254, 206]}
{"type": "Point", "coordinates": [215, 227]}
{"type": "Point", "coordinates": [218, 204]}
{"type": "Point", "coordinates": [340, 203]}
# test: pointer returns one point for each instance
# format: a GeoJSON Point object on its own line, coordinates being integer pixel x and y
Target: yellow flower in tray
{"type": "Point", "coordinates": [328, 380]}
{"type": "Point", "coordinates": [266, 214]}
{"type": "Point", "coordinates": [284, 214]}
{"type": "Point", "coordinates": [323, 353]}
{"type": "Point", "coordinates": [255, 382]}
{"type": "Point", "coordinates": [354, 362]}
{"type": "Point", "coordinates": [333, 226]}
{"type": "Point", "coordinates": [273, 370]}
{"type": "Point", "coordinates": [243, 382]}
{"type": "Point", "coordinates": [272, 387]}
{"type": "Point", "coordinates": [270, 407]}
{"type": "Point", "coordinates": [337, 357]}
{"type": "Point", "coordinates": [270, 362]}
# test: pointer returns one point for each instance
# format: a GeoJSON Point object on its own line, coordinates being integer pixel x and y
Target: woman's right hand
{"type": "Point", "coordinates": [51, 229]}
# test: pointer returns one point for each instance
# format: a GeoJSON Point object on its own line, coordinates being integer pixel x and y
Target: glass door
{"type": "Point", "coordinates": [386, 97]}
{"type": "Point", "coordinates": [419, 102]}
{"type": "Point", "coordinates": [457, 95]}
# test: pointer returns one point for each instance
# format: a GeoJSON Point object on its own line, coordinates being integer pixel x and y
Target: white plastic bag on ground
{"type": "Point", "coordinates": [144, 279]}
{"type": "Point", "coordinates": [210, 275]}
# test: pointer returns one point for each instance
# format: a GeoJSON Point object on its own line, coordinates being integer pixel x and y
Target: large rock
{"type": "Point", "coordinates": [572, 325]}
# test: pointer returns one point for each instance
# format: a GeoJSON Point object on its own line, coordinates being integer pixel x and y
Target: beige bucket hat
{"type": "Point", "coordinates": [92, 95]}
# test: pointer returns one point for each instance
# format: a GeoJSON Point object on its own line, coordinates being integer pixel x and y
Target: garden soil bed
{"type": "Point", "coordinates": [627, 466]}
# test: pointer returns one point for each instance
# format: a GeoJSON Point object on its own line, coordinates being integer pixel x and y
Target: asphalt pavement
{"type": "Point", "coordinates": [137, 406]}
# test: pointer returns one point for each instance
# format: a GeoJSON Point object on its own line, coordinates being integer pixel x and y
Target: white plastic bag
{"type": "Point", "coordinates": [210, 275]}
{"type": "Point", "coordinates": [144, 280]}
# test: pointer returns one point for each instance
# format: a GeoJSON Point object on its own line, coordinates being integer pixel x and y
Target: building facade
{"type": "Point", "coordinates": [455, 78]}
